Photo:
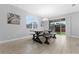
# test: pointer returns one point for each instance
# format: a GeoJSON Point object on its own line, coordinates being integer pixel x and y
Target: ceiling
{"type": "Point", "coordinates": [49, 10]}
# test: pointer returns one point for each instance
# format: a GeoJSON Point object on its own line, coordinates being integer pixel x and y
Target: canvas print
{"type": "Point", "coordinates": [13, 18]}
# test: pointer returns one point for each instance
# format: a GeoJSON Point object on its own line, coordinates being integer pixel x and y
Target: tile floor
{"type": "Point", "coordinates": [62, 45]}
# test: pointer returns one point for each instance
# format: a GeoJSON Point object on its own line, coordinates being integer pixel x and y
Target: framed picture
{"type": "Point", "coordinates": [13, 18]}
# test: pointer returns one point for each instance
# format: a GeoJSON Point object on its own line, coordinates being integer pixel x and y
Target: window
{"type": "Point", "coordinates": [32, 22]}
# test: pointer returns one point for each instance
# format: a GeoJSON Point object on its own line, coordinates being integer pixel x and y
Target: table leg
{"type": "Point", "coordinates": [38, 40]}
{"type": "Point", "coordinates": [54, 36]}
{"type": "Point", "coordinates": [46, 42]}
{"type": "Point", "coordinates": [33, 37]}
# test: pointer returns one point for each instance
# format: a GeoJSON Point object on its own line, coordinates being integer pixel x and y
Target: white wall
{"type": "Point", "coordinates": [68, 25]}
{"type": "Point", "coordinates": [12, 31]}
{"type": "Point", "coordinates": [74, 24]}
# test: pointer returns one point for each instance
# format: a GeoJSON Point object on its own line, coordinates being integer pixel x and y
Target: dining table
{"type": "Point", "coordinates": [38, 33]}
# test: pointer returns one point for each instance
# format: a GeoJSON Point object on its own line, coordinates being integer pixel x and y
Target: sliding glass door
{"type": "Point", "coordinates": [57, 25]}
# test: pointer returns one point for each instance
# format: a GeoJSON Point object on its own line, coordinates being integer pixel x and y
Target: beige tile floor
{"type": "Point", "coordinates": [62, 45]}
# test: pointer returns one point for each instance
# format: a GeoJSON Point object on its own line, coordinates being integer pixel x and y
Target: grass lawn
{"type": "Point", "coordinates": [60, 33]}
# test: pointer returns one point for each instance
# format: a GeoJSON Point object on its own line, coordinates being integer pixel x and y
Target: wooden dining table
{"type": "Point", "coordinates": [38, 33]}
{"type": "Point", "coordinates": [36, 36]}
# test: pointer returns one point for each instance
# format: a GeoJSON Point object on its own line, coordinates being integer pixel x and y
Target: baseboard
{"type": "Point", "coordinates": [20, 38]}
{"type": "Point", "coordinates": [74, 36]}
